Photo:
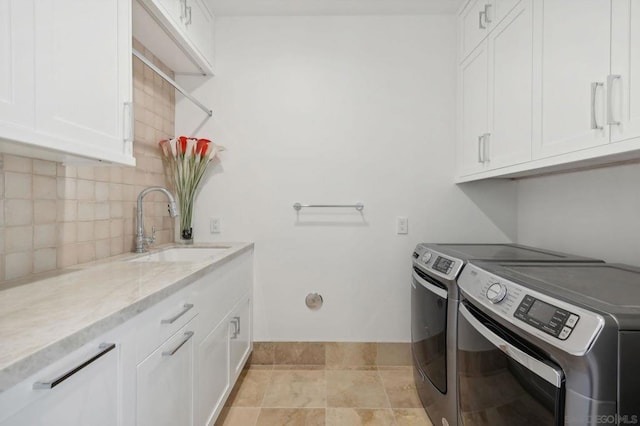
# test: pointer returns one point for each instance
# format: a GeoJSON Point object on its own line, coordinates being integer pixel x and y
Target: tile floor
{"type": "Point", "coordinates": [294, 395]}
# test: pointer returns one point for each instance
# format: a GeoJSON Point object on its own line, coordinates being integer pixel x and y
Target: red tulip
{"type": "Point", "coordinates": [202, 146]}
{"type": "Point", "coordinates": [183, 144]}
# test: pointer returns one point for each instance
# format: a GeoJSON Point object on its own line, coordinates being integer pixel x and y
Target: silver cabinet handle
{"type": "Point", "coordinates": [487, 16]}
{"type": "Point", "coordinates": [104, 349]}
{"type": "Point", "coordinates": [610, 79]}
{"type": "Point", "coordinates": [236, 327]}
{"type": "Point", "coordinates": [183, 10]}
{"type": "Point", "coordinates": [482, 19]}
{"type": "Point", "coordinates": [188, 335]}
{"type": "Point", "coordinates": [543, 370]}
{"type": "Point", "coordinates": [188, 8]}
{"type": "Point", "coordinates": [486, 147]}
{"type": "Point", "coordinates": [127, 128]}
{"type": "Point", "coordinates": [480, 149]}
{"type": "Point", "coordinates": [594, 119]}
{"type": "Point", "coordinates": [173, 319]}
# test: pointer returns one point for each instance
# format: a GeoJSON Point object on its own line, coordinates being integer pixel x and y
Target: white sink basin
{"type": "Point", "coordinates": [186, 254]}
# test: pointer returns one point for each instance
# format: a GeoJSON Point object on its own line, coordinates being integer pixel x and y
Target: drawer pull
{"type": "Point", "coordinates": [171, 320]}
{"type": "Point", "coordinates": [104, 349]}
{"type": "Point", "coordinates": [188, 335]}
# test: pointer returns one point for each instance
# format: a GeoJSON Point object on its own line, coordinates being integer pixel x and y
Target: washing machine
{"type": "Point", "coordinates": [434, 314]}
{"type": "Point", "coordinates": [548, 344]}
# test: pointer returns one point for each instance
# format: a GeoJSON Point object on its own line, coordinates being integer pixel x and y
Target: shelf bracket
{"type": "Point", "coordinates": [171, 81]}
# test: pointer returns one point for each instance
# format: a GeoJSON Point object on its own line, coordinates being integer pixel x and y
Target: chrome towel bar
{"type": "Point", "coordinates": [357, 206]}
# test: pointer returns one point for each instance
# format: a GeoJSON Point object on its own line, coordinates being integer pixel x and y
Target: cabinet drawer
{"type": "Point", "coordinates": [164, 379]}
{"type": "Point", "coordinates": [163, 320]}
{"type": "Point", "coordinates": [79, 389]}
{"type": "Point", "coordinates": [222, 289]}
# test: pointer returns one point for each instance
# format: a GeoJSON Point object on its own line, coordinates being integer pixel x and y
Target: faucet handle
{"type": "Point", "coordinates": [153, 235]}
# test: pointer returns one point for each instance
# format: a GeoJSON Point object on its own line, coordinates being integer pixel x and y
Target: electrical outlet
{"type": "Point", "coordinates": [402, 225]}
{"type": "Point", "coordinates": [214, 225]}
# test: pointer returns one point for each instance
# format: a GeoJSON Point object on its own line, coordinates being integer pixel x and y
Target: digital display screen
{"type": "Point", "coordinates": [541, 311]}
{"type": "Point", "coordinates": [442, 264]}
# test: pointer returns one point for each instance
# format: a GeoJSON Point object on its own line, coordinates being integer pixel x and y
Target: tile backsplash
{"type": "Point", "coordinates": [53, 216]}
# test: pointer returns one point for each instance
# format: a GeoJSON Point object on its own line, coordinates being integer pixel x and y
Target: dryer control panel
{"type": "Point", "coordinates": [555, 321]}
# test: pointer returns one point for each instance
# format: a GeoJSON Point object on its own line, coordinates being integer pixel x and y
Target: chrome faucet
{"type": "Point", "coordinates": [141, 240]}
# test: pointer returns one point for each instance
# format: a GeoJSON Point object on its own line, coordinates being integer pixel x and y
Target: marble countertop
{"type": "Point", "coordinates": [43, 320]}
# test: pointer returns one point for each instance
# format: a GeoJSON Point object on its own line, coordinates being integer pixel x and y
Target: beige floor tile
{"type": "Point", "coordinates": [400, 387]}
{"type": "Point", "coordinates": [238, 416]}
{"type": "Point", "coordinates": [297, 353]}
{"type": "Point", "coordinates": [347, 355]}
{"type": "Point", "coordinates": [250, 388]}
{"type": "Point", "coordinates": [298, 388]}
{"type": "Point", "coordinates": [291, 417]}
{"type": "Point", "coordinates": [394, 354]}
{"type": "Point", "coordinates": [411, 417]}
{"type": "Point", "coordinates": [359, 417]}
{"type": "Point", "coordinates": [355, 389]}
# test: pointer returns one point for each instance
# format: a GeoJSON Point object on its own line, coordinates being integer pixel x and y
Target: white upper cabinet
{"type": "Point", "coordinates": [565, 98]}
{"type": "Point", "coordinates": [179, 32]}
{"type": "Point", "coordinates": [624, 113]}
{"type": "Point", "coordinates": [478, 19]}
{"type": "Point", "coordinates": [510, 95]}
{"type": "Point", "coordinates": [495, 96]}
{"type": "Point", "coordinates": [65, 83]}
{"type": "Point", "coordinates": [472, 111]}
{"type": "Point", "coordinates": [83, 72]}
{"type": "Point", "coordinates": [574, 63]}
{"type": "Point", "coordinates": [16, 71]}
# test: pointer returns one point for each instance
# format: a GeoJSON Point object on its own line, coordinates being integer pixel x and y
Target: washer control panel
{"type": "Point", "coordinates": [546, 317]}
{"type": "Point", "coordinates": [496, 292]}
{"type": "Point", "coordinates": [564, 325]}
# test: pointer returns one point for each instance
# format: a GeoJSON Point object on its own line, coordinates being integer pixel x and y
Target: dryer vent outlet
{"type": "Point", "coordinates": [313, 301]}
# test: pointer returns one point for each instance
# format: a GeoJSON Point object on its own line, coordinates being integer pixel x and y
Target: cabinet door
{"type": "Point", "coordinates": [88, 397]}
{"type": "Point", "coordinates": [165, 383]}
{"type": "Point", "coordinates": [16, 67]}
{"type": "Point", "coordinates": [212, 381]}
{"type": "Point", "coordinates": [473, 26]}
{"type": "Point", "coordinates": [240, 337]}
{"type": "Point", "coordinates": [472, 111]}
{"type": "Point", "coordinates": [200, 28]}
{"type": "Point", "coordinates": [83, 73]}
{"type": "Point", "coordinates": [625, 65]}
{"type": "Point", "coordinates": [510, 89]}
{"type": "Point", "coordinates": [575, 54]}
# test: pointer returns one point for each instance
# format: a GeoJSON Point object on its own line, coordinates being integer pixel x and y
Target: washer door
{"type": "Point", "coordinates": [503, 380]}
{"type": "Point", "coordinates": [429, 329]}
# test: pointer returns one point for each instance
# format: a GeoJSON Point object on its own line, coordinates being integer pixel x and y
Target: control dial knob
{"type": "Point", "coordinates": [496, 292]}
{"type": "Point", "coordinates": [426, 256]}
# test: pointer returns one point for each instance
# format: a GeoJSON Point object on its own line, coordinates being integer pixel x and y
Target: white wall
{"type": "Point", "coordinates": [592, 213]}
{"type": "Point", "coordinates": [337, 110]}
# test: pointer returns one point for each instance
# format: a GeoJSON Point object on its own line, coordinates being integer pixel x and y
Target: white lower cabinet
{"type": "Point", "coordinates": [220, 356]}
{"type": "Point", "coordinates": [213, 380]}
{"type": "Point", "coordinates": [173, 364]}
{"type": "Point", "coordinates": [83, 388]}
{"type": "Point", "coordinates": [240, 336]}
{"type": "Point", "coordinates": [164, 390]}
